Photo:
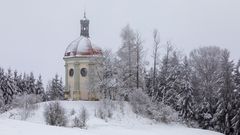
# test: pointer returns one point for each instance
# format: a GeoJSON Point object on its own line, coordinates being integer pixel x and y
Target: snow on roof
{"type": "Point", "coordinates": [81, 46]}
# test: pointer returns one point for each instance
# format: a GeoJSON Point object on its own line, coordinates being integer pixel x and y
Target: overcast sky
{"type": "Point", "coordinates": [35, 33]}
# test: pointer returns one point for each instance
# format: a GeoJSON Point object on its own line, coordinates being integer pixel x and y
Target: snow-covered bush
{"type": "Point", "coordinates": [76, 122]}
{"type": "Point", "coordinates": [141, 104]}
{"type": "Point", "coordinates": [54, 114]}
{"type": "Point", "coordinates": [163, 113]}
{"type": "Point", "coordinates": [27, 103]}
{"type": "Point", "coordinates": [105, 109]}
{"type": "Point", "coordinates": [72, 112]}
{"type": "Point", "coordinates": [81, 120]}
{"type": "Point", "coordinates": [139, 101]}
{"type": "Point", "coordinates": [2, 105]}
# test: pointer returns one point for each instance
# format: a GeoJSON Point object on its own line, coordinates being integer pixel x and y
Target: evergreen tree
{"type": "Point", "coordinates": [31, 84]}
{"type": "Point", "coordinates": [24, 85]}
{"type": "Point", "coordinates": [162, 78]}
{"type": "Point", "coordinates": [8, 87]}
{"type": "Point", "coordinates": [12, 85]}
{"type": "Point", "coordinates": [236, 102]}
{"type": "Point", "coordinates": [39, 90]}
{"type": "Point", "coordinates": [2, 78]}
{"type": "Point", "coordinates": [186, 96]}
{"type": "Point", "coordinates": [169, 79]}
{"type": "Point", "coordinates": [174, 81]}
{"type": "Point", "coordinates": [55, 89]}
{"type": "Point", "coordinates": [17, 80]}
{"type": "Point", "coordinates": [222, 116]}
{"type": "Point", "coordinates": [236, 121]}
{"type": "Point", "coordinates": [149, 80]}
{"type": "Point", "coordinates": [203, 114]}
{"type": "Point", "coordinates": [1, 101]}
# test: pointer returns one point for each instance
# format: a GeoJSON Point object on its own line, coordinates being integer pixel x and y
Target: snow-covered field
{"type": "Point", "coordinates": [123, 123]}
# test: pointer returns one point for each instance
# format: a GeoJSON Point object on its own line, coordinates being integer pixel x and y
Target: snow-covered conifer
{"type": "Point", "coordinates": [39, 90]}
{"type": "Point", "coordinates": [221, 118]}
{"type": "Point", "coordinates": [185, 103]}
{"type": "Point", "coordinates": [235, 120]}
{"type": "Point", "coordinates": [8, 87]}
{"type": "Point", "coordinates": [55, 89]}
{"type": "Point", "coordinates": [31, 84]}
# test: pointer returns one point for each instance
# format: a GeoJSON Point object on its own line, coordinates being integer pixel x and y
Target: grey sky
{"type": "Point", "coordinates": [35, 33]}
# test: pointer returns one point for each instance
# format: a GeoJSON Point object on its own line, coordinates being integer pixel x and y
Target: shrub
{"type": "Point", "coordinates": [72, 112]}
{"type": "Point", "coordinates": [104, 110]}
{"type": "Point", "coordinates": [139, 101]}
{"type": "Point", "coordinates": [2, 106]}
{"type": "Point", "coordinates": [142, 105]}
{"type": "Point", "coordinates": [81, 120]}
{"type": "Point", "coordinates": [26, 103]}
{"type": "Point", "coordinates": [163, 113]}
{"type": "Point", "coordinates": [76, 122]}
{"type": "Point", "coordinates": [54, 114]}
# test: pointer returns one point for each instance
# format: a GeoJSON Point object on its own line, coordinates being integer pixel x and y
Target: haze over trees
{"type": "Point", "coordinates": [14, 85]}
{"type": "Point", "coordinates": [201, 89]}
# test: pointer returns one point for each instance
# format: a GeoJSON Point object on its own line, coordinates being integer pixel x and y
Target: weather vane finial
{"type": "Point", "coordinates": [84, 26]}
{"type": "Point", "coordinates": [84, 13]}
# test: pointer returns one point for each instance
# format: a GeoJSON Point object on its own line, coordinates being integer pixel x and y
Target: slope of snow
{"type": "Point", "coordinates": [15, 127]}
{"type": "Point", "coordinates": [123, 123]}
{"type": "Point", "coordinates": [119, 117]}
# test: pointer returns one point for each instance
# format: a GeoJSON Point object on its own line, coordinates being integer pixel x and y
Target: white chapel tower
{"type": "Point", "coordinates": [81, 65]}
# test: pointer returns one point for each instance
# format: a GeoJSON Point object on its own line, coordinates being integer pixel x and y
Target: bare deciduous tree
{"type": "Point", "coordinates": [138, 43]}
{"type": "Point", "coordinates": [156, 46]}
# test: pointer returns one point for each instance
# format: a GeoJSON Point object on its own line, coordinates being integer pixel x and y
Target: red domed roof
{"type": "Point", "coordinates": [82, 46]}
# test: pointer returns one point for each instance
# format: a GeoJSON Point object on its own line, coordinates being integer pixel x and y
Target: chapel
{"type": "Point", "coordinates": [82, 66]}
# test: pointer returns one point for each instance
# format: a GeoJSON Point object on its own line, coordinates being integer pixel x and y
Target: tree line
{"type": "Point", "coordinates": [203, 88]}
{"type": "Point", "coordinates": [14, 85]}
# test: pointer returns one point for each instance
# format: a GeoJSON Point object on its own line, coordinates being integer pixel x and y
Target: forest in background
{"type": "Point", "coordinates": [201, 89]}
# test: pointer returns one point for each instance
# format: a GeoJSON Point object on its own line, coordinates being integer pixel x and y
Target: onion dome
{"type": "Point", "coordinates": [82, 46]}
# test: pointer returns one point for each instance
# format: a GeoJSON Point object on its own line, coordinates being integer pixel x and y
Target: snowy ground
{"type": "Point", "coordinates": [122, 123]}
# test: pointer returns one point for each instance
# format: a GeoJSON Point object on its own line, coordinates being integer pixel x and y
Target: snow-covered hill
{"type": "Point", "coordinates": [122, 123]}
